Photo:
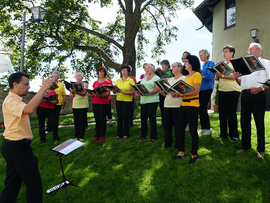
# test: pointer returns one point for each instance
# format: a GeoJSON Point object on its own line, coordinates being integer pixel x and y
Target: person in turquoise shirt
{"type": "Point", "coordinates": [165, 65]}
{"type": "Point", "coordinates": [149, 104]}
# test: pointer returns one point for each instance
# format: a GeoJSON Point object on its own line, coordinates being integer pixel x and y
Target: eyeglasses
{"type": "Point", "coordinates": [25, 84]}
{"type": "Point", "coordinates": [186, 61]}
{"type": "Point", "coordinates": [123, 70]}
{"type": "Point", "coordinates": [226, 51]}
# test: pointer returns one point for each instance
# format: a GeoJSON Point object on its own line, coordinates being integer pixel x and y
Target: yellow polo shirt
{"type": "Point", "coordinates": [125, 87]}
{"type": "Point", "coordinates": [60, 91]}
{"type": "Point", "coordinates": [17, 124]}
{"type": "Point", "coordinates": [227, 85]}
{"type": "Point", "coordinates": [195, 78]}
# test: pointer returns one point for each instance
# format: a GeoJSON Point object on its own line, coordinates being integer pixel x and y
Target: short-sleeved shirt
{"type": "Point", "coordinates": [256, 78]}
{"type": "Point", "coordinates": [17, 124]}
{"type": "Point", "coordinates": [150, 85]}
{"type": "Point", "coordinates": [48, 104]}
{"type": "Point", "coordinates": [173, 102]}
{"type": "Point", "coordinates": [80, 102]}
{"type": "Point", "coordinates": [227, 85]}
{"type": "Point", "coordinates": [125, 87]}
{"type": "Point", "coordinates": [169, 73]}
{"type": "Point", "coordinates": [195, 78]}
{"type": "Point", "coordinates": [101, 100]}
{"type": "Point", "coordinates": [60, 91]}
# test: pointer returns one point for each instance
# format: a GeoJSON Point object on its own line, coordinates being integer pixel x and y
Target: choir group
{"type": "Point", "coordinates": [180, 111]}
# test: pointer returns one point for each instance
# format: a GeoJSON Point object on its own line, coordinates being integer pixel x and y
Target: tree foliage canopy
{"type": "Point", "coordinates": [70, 31]}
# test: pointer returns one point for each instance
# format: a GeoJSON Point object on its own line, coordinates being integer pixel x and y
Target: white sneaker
{"type": "Point", "coordinates": [201, 131]}
{"type": "Point", "coordinates": [207, 132]}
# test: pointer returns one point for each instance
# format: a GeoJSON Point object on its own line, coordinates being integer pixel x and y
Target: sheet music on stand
{"type": "Point", "coordinates": [64, 149]}
{"type": "Point", "coordinates": [68, 146]}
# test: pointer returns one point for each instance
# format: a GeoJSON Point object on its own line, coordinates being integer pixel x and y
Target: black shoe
{"type": "Point", "coordinates": [179, 157]}
{"type": "Point", "coordinates": [42, 141]}
{"type": "Point", "coordinates": [193, 160]}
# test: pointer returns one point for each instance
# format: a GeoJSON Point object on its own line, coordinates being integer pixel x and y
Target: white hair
{"type": "Point", "coordinates": [152, 66]}
{"type": "Point", "coordinates": [178, 64]}
{"type": "Point", "coordinates": [255, 44]}
{"type": "Point", "coordinates": [79, 73]}
{"type": "Point", "coordinates": [56, 73]}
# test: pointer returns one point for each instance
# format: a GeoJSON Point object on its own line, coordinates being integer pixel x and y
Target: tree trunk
{"type": "Point", "coordinates": [132, 25]}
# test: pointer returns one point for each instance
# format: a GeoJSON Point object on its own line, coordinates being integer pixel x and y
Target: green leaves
{"type": "Point", "coordinates": [69, 33]}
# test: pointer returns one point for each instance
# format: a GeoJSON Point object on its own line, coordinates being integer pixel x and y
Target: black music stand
{"type": "Point", "coordinates": [64, 149]}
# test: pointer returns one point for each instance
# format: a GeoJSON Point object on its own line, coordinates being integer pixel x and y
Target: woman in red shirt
{"type": "Point", "coordinates": [100, 105]}
{"type": "Point", "coordinates": [46, 109]}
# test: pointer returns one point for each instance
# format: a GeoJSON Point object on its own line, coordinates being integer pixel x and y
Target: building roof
{"type": "Point", "coordinates": [205, 12]}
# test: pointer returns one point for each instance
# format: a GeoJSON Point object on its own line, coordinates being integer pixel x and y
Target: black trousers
{"type": "Point", "coordinates": [21, 165]}
{"type": "Point", "coordinates": [170, 121]}
{"type": "Point", "coordinates": [189, 115]}
{"type": "Point", "coordinates": [57, 109]}
{"type": "Point", "coordinates": [100, 112]}
{"type": "Point", "coordinates": [80, 117]}
{"type": "Point", "coordinates": [149, 111]}
{"type": "Point", "coordinates": [42, 114]}
{"type": "Point", "coordinates": [109, 110]}
{"type": "Point", "coordinates": [122, 111]}
{"type": "Point", "coordinates": [227, 113]}
{"type": "Point", "coordinates": [253, 104]}
{"type": "Point", "coordinates": [204, 97]}
{"type": "Point", "coordinates": [161, 106]}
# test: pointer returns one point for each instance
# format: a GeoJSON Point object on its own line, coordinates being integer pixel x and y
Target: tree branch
{"type": "Point", "coordinates": [108, 39]}
{"type": "Point", "coordinates": [92, 32]}
{"type": "Point", "coordinates": [154, 20]}
{"type": "Point", "coordinates": [161, 14]}
{"type": "Point", "coordinates": [122, 6]}
{"type": "Point", "coordinates": [102, 55]}
{"type": "Point", "coordinates": [146, 4]}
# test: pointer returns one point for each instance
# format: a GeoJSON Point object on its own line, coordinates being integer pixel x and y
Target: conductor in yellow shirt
{"type": "Point", "coordinates": [21, 163]}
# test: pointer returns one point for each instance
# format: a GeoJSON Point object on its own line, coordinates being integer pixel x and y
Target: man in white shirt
{"type": "Point", "coordinates": [253, 101]}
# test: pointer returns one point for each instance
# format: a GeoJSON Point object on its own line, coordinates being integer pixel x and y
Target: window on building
{"type": "Point", "coordinates": [230, 13]}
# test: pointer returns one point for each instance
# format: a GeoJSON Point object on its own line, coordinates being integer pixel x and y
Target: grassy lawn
{"type": "Point", "coordinates": [132, 171]}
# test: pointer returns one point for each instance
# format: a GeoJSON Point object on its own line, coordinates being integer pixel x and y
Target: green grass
{"type": "Point", "coordinates": [132, 171]}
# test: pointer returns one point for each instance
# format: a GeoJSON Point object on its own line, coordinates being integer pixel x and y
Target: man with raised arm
{"type": "Point", "coordinates": [21, 163]}
{"type": "Point", "coordinates": [253, 101]}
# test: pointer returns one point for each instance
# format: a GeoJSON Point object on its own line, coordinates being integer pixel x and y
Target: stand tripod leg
{"type": "Point", "coordinates": [64, 184]}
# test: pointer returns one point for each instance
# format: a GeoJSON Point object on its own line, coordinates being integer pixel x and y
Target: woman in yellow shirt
{"type": "Point", "coordinates": [189, 110]}
{"type": "Point", "coordinates": [124, 102]}
{"type": "Point", "coordinates": [229, 92]}
{"type": "Point", "coordinates": [80, 107]}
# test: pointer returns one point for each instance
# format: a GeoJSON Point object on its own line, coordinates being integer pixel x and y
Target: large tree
{"type": "Point", "coordinates": [69, 32]}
